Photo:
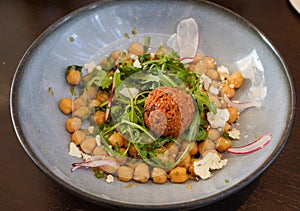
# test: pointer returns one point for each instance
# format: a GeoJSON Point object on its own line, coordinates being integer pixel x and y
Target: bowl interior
{"type": "Point", "coordinates": [93, 32]}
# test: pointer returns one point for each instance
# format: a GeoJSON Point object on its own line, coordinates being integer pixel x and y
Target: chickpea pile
{"type": "Point", "coordinates": [82, 108]}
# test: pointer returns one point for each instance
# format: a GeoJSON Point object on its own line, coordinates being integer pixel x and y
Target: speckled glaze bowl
{"type": "Point", "coordinates": [95, 30]}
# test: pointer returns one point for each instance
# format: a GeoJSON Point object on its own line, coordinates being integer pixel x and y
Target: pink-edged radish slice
{"type": "Point", "coordinates": [93, 162]}
{"type": "Point", "coordinates": [186, 40]}
{"type": "Point", "coordinates": [258, 144]}
{"type": "Point", "coordinates": [109, 104]}
{"type": "Point", "coordinates": [173, 42]}
{"type": "Point", "coordinates": [239, 105]}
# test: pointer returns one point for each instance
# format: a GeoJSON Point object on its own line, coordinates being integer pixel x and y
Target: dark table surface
{"type": "Point", "coordinates": [24, 187]}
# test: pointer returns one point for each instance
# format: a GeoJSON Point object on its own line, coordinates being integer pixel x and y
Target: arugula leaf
{"type": "Point", "coordinates": [203, 101]}
{"type": "Point", "coordinates": [98, 77]}
{"type": "Point", "coordinates": [201, 135]}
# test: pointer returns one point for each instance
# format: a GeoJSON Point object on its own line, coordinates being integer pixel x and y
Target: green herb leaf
{"type": "Point", "coordinates": [203, 101]}
{"type": "Point", "coordinates": [99, 78]}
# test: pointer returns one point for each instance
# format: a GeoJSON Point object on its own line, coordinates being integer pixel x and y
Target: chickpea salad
{"type": "Point", "coordinates": [162, 114]}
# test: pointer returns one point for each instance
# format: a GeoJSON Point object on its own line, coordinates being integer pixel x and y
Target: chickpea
{"type": "Point", "coordinates": [102, 96]}
{"type": "Point", "coordinates": [212, 74]}
{"type": "Point", "coordinates": [136, 49]}
{"type": "Point", "coordinates": [82, 112]}
{"type": "Point", "coordinates": [116, 138]}
{"type": "Point", "coordinates": [66, 105]}
{"type": "Point", "coordinates": [73, 77]}
{"type": "Point", "coordinates": [107, 63]}
{"type": "Point", "coordinates": [172, 147]}
{"type": "Point", "coordinates": [93, 103]}
{"type": "Point", "coordinates": [236, 79]}
{"type": "Point", "coordinates": [88, 145]}
{"type": "Point", "coordinates": [226, 89]}
{"type": "Point", "coordinates": [171, 159]}
{"type": "Point", "coordinates": [213, 134]}
{"type": "Point", "coordinates": [125, 173]}
{"type": "Point", "coordinates": [162, 51]}
{"type": "Point", "coordinates": [164, 156]}
{"type": "Point", "coordinates": [215, 100]}
{"type": "Point", "coordinates": [197, 58]}
{"type": "Point", "coordinates": [233, 114]}
{"type": "Point", "coordinates": [210, 62]}
{"type": "Point", "coordinates": [98, 151]}
{"type": "Point", "coordinates": [141, 173]}
{"type": "Point", "coordinates": [79, 102]}
{"type": "Point", "coordinates": [132, 151]}
{"type": "Point", "coordinates": [223, 144]}
{"type": "Point", "coordinates": [115, 55]}
{"type": "Point", "coordinates": [227, 127]}
{"type": "Point", "coordinates": [99, 117]}
{"type": "Point", "coordinates": [90, 93]}
{"type": "Point", "coordinates": [111, 169]}
{"type": "Point", "coordinates": [133, 163]}
{"type": "Point", "coordinates": [73, 124]}
{"type": "Point", "coordinates": [78, 136]}
{"type": "Point", "coordinates": [122, 159]}
{"type": "Point", "coordinates": [178, 175]}
{"type": "Point", "coordinates": [206, 145]}
{"type": "Point", "coordinates": [200, 67]}
{"type": "Point", "coordinates": [193, 147]}
{"type": "Point", "coordinates": [159, 175]}
{"type": "Point", "coordinates": [186, 162]}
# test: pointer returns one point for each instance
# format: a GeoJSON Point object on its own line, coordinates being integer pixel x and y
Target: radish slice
{"type": "Point", "coordinates": [107, 112]}
{"type": "Point", "coordinates": [258, 144]}
{"type": "Point", "coordinates": [173, 42]}
{"type": "Point", "coordinates": [93, 162]}
{"type": "Point", "coordinates": [186, 40]}
{"type": "Point", "coordinates": [239, 105]}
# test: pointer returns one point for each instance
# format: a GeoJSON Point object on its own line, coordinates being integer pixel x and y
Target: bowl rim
{"type": "Point", "coordinates": [107, 203]}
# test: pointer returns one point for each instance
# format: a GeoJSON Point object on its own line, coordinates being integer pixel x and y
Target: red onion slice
{"type": "Point", "coordinates": [239, 105]}
{"type": "Point", "coordinates": [93, 162]}
{"type": "Point", "coordinates": [258, 144]}
{"type": "Point", "coordinates": [107, 112]}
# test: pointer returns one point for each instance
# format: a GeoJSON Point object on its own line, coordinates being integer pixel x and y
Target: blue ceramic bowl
{"type": "Point", "coordinates": [92, 32]}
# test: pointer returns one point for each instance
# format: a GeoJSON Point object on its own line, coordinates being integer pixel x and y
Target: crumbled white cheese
{"type": "Point", "coordinates": [134, 57]}
{"type": "Point", "coordinates": [90, 66]}
{"type": "Point", "coordinates": [110, 178]}
{"type": "Point", "coordinates": [223, 72]}
{"type": "Point", "coordinates": [74, 150]}
{"type": "Point", "coordinates": [129, 92]}
{"type": "Point", "coordinates": [206, 81]}
{"type": "Point", "coordinates": [85, 156]}
{"type": "Point", "coordinates": [219, 119]}
{"type": "Point", "coordinates": [137, 64]}
{"type": "Point", "coordinates": [234, 133]}
{"type": "Point", "coordinates": [99, 67]}
{"type": "Point", "coordinates": [210, 162]}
